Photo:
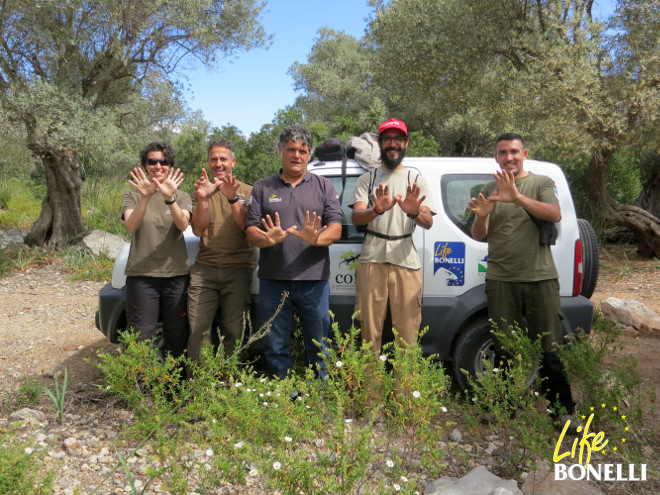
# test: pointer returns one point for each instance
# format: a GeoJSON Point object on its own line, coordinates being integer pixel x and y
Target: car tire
{"type": "Point", "coordinates": [474, 343]}
{"type": "Point", "coordinates": [590, 258]}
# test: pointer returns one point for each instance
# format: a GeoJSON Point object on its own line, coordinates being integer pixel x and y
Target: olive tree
{"type": "Point", "coordinates": [544, 68]}
{"type": "Point", "coordinates": [70, 69]}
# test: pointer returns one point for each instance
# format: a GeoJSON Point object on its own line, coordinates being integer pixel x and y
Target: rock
{"type": "Point", "coordinates": [543, 482]}
{"type": "Point", "coordinates": [11, 236]}
{"type": "Point", "coordinates": [100, 241]}
{"type": "Point", "coordinates": [479, 481]}
{"type": "Point", "coordinates": [455, 436]}
{"type": "Point", "coordinates": [630, 313]}
{"type": "Point", "coordinates": [27, 413]}
{"type": "Point", "coordinates": [71, 444]}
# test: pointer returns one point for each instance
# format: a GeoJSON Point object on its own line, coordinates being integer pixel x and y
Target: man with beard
{"type": "Point", "coordinates": [391, 200]}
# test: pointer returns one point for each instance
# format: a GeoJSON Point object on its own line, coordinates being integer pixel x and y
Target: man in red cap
{"type": "Point", "coordinates": [391, 201]}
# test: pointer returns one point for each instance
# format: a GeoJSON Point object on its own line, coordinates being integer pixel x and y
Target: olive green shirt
{"type": "Point", "coordinates": [224, 243]}
{"type": "Point", "coordinates": [158, 248]}
{"type": "Point", "coordinates": [514, 253]}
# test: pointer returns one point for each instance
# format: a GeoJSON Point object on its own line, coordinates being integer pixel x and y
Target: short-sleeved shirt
{"type": "Point", "coordinates": [293, 259]}
{"type": "Point", "coordinates": [158, 248]}
{"type": "Point", "coordinates": [224, 243]}
{"type": "Point", "coordinates": [393, 222]}
{"type": "Point", "coordinates": [514, 253]}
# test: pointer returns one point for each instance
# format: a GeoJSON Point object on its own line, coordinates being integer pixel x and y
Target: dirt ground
{"type": "Point", "coordinates": [47, 325]}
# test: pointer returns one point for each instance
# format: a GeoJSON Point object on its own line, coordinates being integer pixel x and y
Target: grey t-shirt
{"type": "Point", "coordinates": [294, 259]}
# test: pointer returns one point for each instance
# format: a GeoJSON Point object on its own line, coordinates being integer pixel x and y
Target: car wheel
{"type": "Point", "coordinates": [474, 354]}
{"type": "Point", "coordinates": [590, 258]}
{"type": "Point", "coordinates": [474, 345]}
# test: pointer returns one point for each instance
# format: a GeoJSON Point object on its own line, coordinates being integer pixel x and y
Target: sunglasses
{"type": "Point", "coordinates": [154, 161]}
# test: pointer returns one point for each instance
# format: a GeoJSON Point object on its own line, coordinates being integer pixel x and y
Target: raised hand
{"type": "Point", "coordinates": [310, 232]}
{"type": "Point", "coordinates": [506, 192]}
{"type": "Point", "coordinates": [412, 202]}
{"type": "Point", "coordinates": [204, 188]}
{"type": "Point", "coordinates": [480, 206]}
{"type": "Point", "coordinates": [141, 182]}
{"type": "Point", "coordinates": [382, 201]}
{"type": "Point", "coordinates": [172, 181]}
{"type": "Point", "coordinates": [273, 231]}
{"type": "Point", "coordinates": [229, 186]}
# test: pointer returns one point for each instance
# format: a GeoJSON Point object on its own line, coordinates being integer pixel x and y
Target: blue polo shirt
{"type": "Point", "coordinates": [293, 259]}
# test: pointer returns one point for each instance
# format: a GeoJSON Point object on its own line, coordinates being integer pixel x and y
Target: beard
{"type": "Point", "coordinates": [392, 163]}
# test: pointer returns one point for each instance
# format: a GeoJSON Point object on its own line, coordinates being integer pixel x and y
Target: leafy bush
{"type": "Point", "coordinates": [21, 468]}
{"type": "Point", "coordinates": [296, 434]}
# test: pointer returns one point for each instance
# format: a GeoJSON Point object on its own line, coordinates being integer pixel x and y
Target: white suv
{"type": "Point", "coordinates": [454, 265]}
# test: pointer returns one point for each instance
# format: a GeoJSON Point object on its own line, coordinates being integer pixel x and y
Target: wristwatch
{"type": "Point", "coordinates": [233, 200]}
{"type": "Point", "coordinates": [168, 203]}
{"type": "Point", "coordinates": [412, 217]}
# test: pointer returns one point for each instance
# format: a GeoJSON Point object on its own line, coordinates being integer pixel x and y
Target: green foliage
{"type": "Point", "coordinates": [296, 434]}
{"type": "Point", "coordinates": [86, 266]}
{"type": "Point", "coordinates": [29, 392]}
{"type": "Point", "coordinates": [623, 177]}
{"type": "Point", "coordinates": [102, 203]}
{"type": "Point", "coordinates": [611, 389]}
{"type": "Point", "coordinates": [22, 469]}
{"type": "Point", "coordinates": [515, 411]}
{"type": "Point", "coordinates": [19, 206]}
{"type": "Point", "coordinates": [58, 396]}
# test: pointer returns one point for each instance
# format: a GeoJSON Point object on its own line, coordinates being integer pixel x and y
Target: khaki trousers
{"type": "Point", "coordinates": [377, 285]}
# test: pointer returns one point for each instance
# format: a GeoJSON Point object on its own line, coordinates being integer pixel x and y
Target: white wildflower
{"type": "Point", "coordinates": [496, 370]}
{"type": "Point", "coordinates": [444, 409]}
{"type": "Point", "coordinates": [339, 364]}
{"type": "Point", "coordinates": [348, 421]}
{"type": "Point", "coordinates": [238, 384]}
{"type": "Point", "coordinates": [29, 450]}
{"type": "Point", "coordinates": [277, 466]}
{"type": "Point", "coordinates": [254, 472]}
{"type": "Point", "coordinates": [238, 445]}
{"type": "Point", "coordinates": [288, 439]}
{"type": "Point", "coordinates": [264, 404]}
{"type": "Point", "coordinates": [209, 452]}
{"type": "Point", "coordinates": [404, 479]}
{"type": "Point", "coordinates": [397, 488]}
{"type": "Point", "coordinates": [416, 394]}
{"type": "Point", "coordinates": [382, 357]}
{"type": "Point", "coordinates": [389, 463]}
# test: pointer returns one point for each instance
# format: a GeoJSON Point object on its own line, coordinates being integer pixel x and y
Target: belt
{"type": "Point", "coordinates": [388, 237]}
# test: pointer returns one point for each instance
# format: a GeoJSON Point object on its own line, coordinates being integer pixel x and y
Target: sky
{"type": "Point", "coordinates": [249, 90]}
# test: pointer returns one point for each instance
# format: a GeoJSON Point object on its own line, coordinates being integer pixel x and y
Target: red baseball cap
{"type": "Point", "coordinates": [393, 124]}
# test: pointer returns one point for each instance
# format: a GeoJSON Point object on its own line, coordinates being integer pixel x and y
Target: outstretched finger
{"type": "Point", "coordinates": [267, 222]}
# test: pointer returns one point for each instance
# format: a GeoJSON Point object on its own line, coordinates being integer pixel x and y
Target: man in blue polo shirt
{"type": "Point", "coordinates": [293, 216]}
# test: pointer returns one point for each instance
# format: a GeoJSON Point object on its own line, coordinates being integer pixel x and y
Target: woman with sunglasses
{"type": "Point", "coordinates": [157, 212]}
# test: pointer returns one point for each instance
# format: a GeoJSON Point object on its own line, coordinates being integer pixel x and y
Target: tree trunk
{"type": "Point", "coordinates": [643, 224]}
{"type": "Point", "coordinates": [649, 197]}
{"type": "Point", "coordinates": [60, 222]}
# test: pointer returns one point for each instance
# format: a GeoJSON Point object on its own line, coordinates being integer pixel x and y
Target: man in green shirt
{"type": "Point", "coordinates": [222, 273]}
{"type": "Point", "coordinates": [522, 281]}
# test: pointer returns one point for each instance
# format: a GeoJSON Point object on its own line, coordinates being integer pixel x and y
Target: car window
{"type": "Point", "coordinates": [457, 189]}
{"type": "Point", "coordinates": [349, 233]}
